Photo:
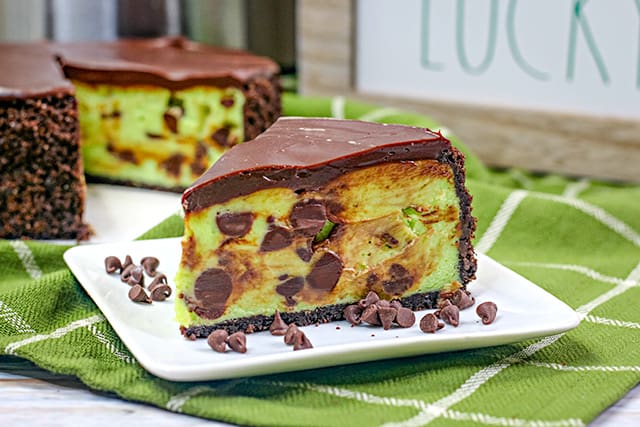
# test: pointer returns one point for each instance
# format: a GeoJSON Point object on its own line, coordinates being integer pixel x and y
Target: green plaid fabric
{"type": "Point", "coordinates": [579, 240]}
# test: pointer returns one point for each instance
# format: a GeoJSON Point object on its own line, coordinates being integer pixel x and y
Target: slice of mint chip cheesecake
{"type": "Point", "coordinates": [312, 215]}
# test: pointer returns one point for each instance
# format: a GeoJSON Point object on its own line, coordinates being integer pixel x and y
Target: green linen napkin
{"type": "Point", "coordinates": [579, 240]}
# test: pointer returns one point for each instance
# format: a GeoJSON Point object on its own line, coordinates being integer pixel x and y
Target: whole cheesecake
{"type": "Point", "coordinates": [315, 213]}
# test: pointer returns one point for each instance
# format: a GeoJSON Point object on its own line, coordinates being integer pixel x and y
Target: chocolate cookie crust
{"type": "Point", "coordinates": [323, 314]}
{"type": "Point", "coordinates": [468, 263]}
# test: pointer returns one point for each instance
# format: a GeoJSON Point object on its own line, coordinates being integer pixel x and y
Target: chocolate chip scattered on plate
{"type": "Point", "coordinates": [487, 312]}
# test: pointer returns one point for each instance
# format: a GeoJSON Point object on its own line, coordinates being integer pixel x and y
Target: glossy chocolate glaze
{"type": "Point", "coordinates": [30, 69]}
{"type": "Point", "coordinates": [172, 62]}
{"type": "Point", "coordinates": [306, 153]}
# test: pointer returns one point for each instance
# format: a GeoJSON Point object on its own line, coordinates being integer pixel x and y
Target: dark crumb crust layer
{"type": "Point", "coordinates": [467, 263]}
{"type": "Point", "coordinates": [262, 105]}
{"type": "Point", "coordinates": [42, 188]}
{"type": "Point", "coordinates": [324, 314]}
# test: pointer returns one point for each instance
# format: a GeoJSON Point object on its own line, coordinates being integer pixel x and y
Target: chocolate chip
{"type": "Point", "coordinates": [372, 279]}
{"type": "Point", "coordinates": [387, 315]}
{"type": "Point", "coordinates": [127, 262]}
{"type": "Point", "coordinates": [290, 335]}
{"type": "Point", "coordinates": [389, 240]}
{"type": "Point", "coordinates": [352, 314]}
{"type": "Point", "coordinates": [212, 288]}
{"type": "Point", "coordinates": [150, 265]}
{"type": "Point", "coordinates": [234, 224]}
{"type": "Point", "coordinates": [217, 340]}
{"type": "Point", "coordinates": [278, 326]}
{"type": "Point", "coordinates": [308, 217]}
{"type": "Point", "coordinates": [112, 264]}
{"type": "Point", "coordinates": [451, 315]}
{"type": "Point", "coordinates": [171, 117]}
{"type": "Point", "coordinates": [160, 292]}
{"type": "Point", "coordinates": [443, 303]}
{"type": "Point", "coordinates": [370, 315]}
{"type": "Point", "coordinates": [487, 312]}
{"type": "Point", "coordinates": [126, 272]}
{"type": "Point", "coordinates": [136, 276]}
{"type": "Point", "coordinates": [383, 303]}
{"type": "Point", "coordinates": [397, 270]}
{"type": "Point", "coordinates": [171, 121]}
{"type": "Point", "coordinates": [429, 323]}
{"type": "Point", "coordinates": [405, 317]}
{"type": "Point", "coordinates": [371, 298]}
{"type": "Point", "coordinates": [462, 299]}
{"type": "Point", "coordinates": [325, 272]}
{"type": "Point", "coordinates": [221, 137]}
{"type": "Point", "coordinates": [290, 301]}
{"type": "Point", "coordinates": [290, 287]}
{"type": "Point", "coordinates": [138, 294]}
{"type": "Point", "coordinates": [301, 342]}
{"type": "Point", "coordinates": [396, 304]}
{"type": "Point", "coordinates": [305, 254]}
{"type": "Point", "coordinates": [200, 161]}
{"type": "Point", "coordinates": [399, 282]}
{"type": "Point", "coordinates": [238, 342]}
{"type": "Point", "coordinates": [212, 312]}
{"type": "Point", "coordinates": [159, 279]}
{"type": "Point", "coordinates": [126, 155]}
{"type": "Point", "coordinates": [173, 164]}
{"type": "Point", "coordinates": [227, 102]}
{"type": "Point", "coordinates": [276, 238]}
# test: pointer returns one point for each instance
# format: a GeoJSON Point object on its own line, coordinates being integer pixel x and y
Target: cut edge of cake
{"type": "Point", "coordinates": [43, 188]}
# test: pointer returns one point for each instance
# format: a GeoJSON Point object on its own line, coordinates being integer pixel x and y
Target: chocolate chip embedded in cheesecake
{"type": "Point", "coordinates": [313, 215]}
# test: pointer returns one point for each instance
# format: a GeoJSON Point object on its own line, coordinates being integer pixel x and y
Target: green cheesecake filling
{"type": "Point", "coordinates": [152, 136]}
{"type": "Point", "coordinates": [393, 228]}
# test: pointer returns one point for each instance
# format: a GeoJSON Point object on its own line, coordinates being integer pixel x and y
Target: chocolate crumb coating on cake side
{"type": "Point", "coordinates": [42, 189]}
{"type": "Point", "coordinates": [315, 213]}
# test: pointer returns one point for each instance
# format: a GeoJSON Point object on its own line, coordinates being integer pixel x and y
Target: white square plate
{"type": "Point", "coordinates": [152, 335]}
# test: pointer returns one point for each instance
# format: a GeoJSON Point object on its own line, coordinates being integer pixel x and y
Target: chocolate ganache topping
{"type": "Point", "coordinates": [295, 152]}
{"type": "Point", "coordinates": [38, 69]}
{"type": "Point", "coordinates": [28, 69]}
{"type": "Point", "coordinates": [172, 62]}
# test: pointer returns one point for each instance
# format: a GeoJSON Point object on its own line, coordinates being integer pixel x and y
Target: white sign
{"type": "Point", "coordinates": [577, 56]}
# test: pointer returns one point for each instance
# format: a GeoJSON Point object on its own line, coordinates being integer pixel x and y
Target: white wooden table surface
{"type": "Point", "coordinates": [30, 396]}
